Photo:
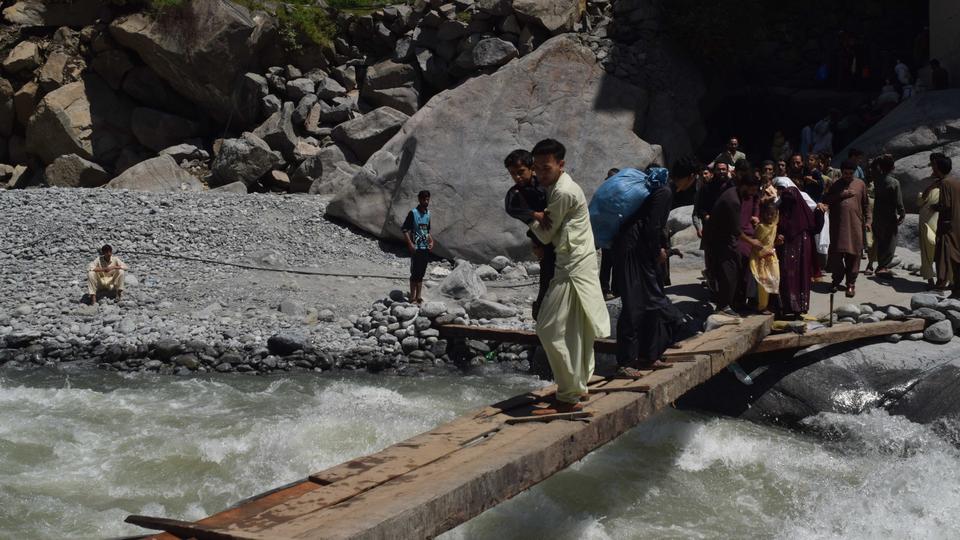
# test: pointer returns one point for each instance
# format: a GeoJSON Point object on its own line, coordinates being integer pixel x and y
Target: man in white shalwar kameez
{"type": "Point", "coordinates": [573, 312]}
{"type": "Point", "coordinates": [105, 273]}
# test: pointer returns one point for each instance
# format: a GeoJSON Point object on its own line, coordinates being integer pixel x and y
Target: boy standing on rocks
{"type": "Point", "coordinates": [105, 273]}
{"type": "Point", "coordinates": [573, 312]}
{"type": "Point", "coordinates": [416, 229]}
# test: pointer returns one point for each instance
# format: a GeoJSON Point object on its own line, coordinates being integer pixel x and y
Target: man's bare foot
{"type": "Point", "coordinates": [93, 299]}
{"type": "Point", "coordinates": [659, 364]}
{"type": "Point", "coordinates": [626, 372]}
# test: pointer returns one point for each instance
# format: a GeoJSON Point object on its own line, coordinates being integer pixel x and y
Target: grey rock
{"type": "Point", "coordinates": [487, 273]}
{"type": "Point", "coordinates": [500, 262]}
{"type": "Point", "coordinates": [924, 300]}
{"type": "Point", "coordinates": [206, 70]}
{"type": "Point", "coordinates": [894, 338]}
{"type": "Point", "coordinates": [410, 344]}
{"type": "Point", "coordinates": [432, 310]}
{"type": "Point", "coordinates": [157, 130]}
{"type": "Point", "coordinates": [85, 118]}
{"type": "Point", "coordinates": [894, 313]}
{"type": "Point", "coordinates": [948, 304]}
{"type": "Point", "coordinates": [293, 308]}
{"type": "Point", "coordinates": [553, 15]}
{"type": "Point", "coordinates": [493, 52]}
{"type": "Point", "coordinates": [514, 272]}
{"type": "Point", "coordinates": [271, 104]}
{"type": "Point", "coordinates": [224, 367]}
{"type": "Point", "coordinates": [346, 76]}
{"type": "Point", "coordinates": [298, 88]}
{"type": "Point", "coordinates": [8, 113]}
{"type": "Point", "coordinates": [286, 343]}
{"type": "Point", "coordinates": [954, 318]}
{"type": "Point", "coordinates": [368, 133]}
{"type": "Point", "coordinates": [929, 314]}
{"type": "Point", "coordinates": [24, 56]}
{"type": "Point", "coordinates": [184, 152]}
{"type": "Point", "coordinates": [233, 187]}
{"type": "Point", "coordinates": [485, 309]}
{"type": "Point", "coordinates": [189, 361]}
{"type": "Point", "coordinates": [243, 160]}
{"type": "Point", "coordinates": [159, 175]}
{"type": "Point", "coordinates": [329, 88]}
{"type": "Point", "coordinates": [463, 282]}
{"type": "Point", "coordinates": [940, 332]}
{"type": "Point", "coordinates": [848, 310]}
{"type": "Point", "coordinates": [405, 312]}
{"type": "Point", "coordinates": [278, 131]}
{"type": "Point", "coordinates": [72, 170]}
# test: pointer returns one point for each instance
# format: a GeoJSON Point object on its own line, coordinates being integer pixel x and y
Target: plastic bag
{"type": "Point", "coordinates": [618, 198]}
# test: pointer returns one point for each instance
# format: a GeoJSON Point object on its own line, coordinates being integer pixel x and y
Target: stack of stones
{"type": "Point", "coordinates": [942, 316]}
{"type": "Point", "coordinates": [399, 333]}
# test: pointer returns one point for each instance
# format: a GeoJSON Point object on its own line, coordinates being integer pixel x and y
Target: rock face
{"type": "Point", "coordinates": [85, 118]}
{"type": "Point", "coordinates": [160, 174]}
{"type": "Point", "coordinates": [559, 90]}
{"type": "Point", "coordinates": [204, 59]}
{"type": "Point", "coordinates": [157, 130]}
{"type": "Point", "coordinates": [928, 122]}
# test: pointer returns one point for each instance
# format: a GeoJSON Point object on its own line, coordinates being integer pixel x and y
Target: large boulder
{"type": "Point", "coordinates": [74, 171]}
{"type": "Point", "coordinates": [914, 172]}
{"type": "Point", "coordinates": [157, 130]}
{"type": "Point", "coordinates": [557, 91]}
{"type": "Point", "coordinates": [85, 118]}
{"type": "Point", "coordinates": [202, 53]}
{"type": "Point", "coordinates": [554, 15]}
{"type": "Point", "coordinates": [368, 133]}
{"type": "Point", "coordinates": [243, 160]}
{"type": "Point", "coordinates": [8, 114]}
{"type": "Point", "coordinates": [25, 56]}
{"type": "Point", "coordinates": [39, 13]}
{"type": "Point", "coordinates": [159, 175]}
{"type": "Point", "coordinates": [923, 122]}
{"type": "Point", "coordinates": [278, 131]}
{"type": "Point", "coordinates": [391, 84]}
{"type": "Point", "coordinates": [914, 379]}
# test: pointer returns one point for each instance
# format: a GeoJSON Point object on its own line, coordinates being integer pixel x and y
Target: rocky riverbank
{"type": "Point", "coordinates": [220, 282]}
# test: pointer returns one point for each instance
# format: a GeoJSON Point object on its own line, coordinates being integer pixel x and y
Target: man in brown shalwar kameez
{"type": "Point", "coordinates": [849, 217]}
{"type": "Point", "coordinates": [948, 227]}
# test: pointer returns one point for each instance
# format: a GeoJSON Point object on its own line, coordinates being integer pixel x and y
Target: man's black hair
{"type": "Point", "coordinates": [848, 164]}
{"type": "Point", "coordinates": [612, 172]}
{"type": "Point", "coordinates": [745, 176]}
{"type": "Point", "coordinates": [942, 163]}
{"type": "Point", "coordinates": [885, 163]}
{"type": "Point", "coordinates": [106, 248]}
{"type": "Point", "coordinates": [725, 160]}
{"type": "Point", "coordinates": [550, 147]}
{"type": "Point", "coordinates": [518, 157]}
{"type": "Point", "coordinates": [684, 167]}
{"type": "Point", "coordinates": [769, 162]}
{"type": "Point", "coordinates": [423, 194]}
{"type": "Point", "coordinates": [855, 152]}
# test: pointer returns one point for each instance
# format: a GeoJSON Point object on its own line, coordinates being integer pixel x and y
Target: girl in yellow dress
{"type": "Point", "coordinates": [763, 261]}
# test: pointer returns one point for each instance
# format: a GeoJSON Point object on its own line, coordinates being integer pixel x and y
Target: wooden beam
{"type": "Point", "coordinates": [837, 334]}
{"type": "Point", "coordinates": [437, 480]}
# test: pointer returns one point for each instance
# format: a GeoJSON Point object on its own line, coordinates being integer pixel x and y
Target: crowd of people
{"type": "Point", "coordinates": [768, 232]}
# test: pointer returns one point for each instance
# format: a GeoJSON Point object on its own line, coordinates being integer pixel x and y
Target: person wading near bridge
{"type": "Point", "coordinates": [849, 218]}
{"type": "Point", "coordinates": [416, 229]}
{"type": "Point", "coordinates": [105, 274]}
{"type": "Point", "coordinates": [648, 322]}
{"type": "Point", "coordinates": [573, 312]}
{"type": "Point", "coordinates": [525, 197]}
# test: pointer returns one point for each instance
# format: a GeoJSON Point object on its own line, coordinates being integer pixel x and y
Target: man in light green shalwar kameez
{"type": "Point", "coordinates": [573, 312]}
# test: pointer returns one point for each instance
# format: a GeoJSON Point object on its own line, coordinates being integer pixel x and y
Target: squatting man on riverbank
{"type": "Point", "coordinates": [105, 274]}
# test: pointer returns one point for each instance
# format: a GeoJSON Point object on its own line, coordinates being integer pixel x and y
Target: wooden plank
{"type": "Point", "coordinates": [549, 417]}
{"type": "Point", "coordinates": [837, 334]}
{"type": "Point", "coordinates": [181, 529]}
{"type": "Point", "coordinates": [435, 481]}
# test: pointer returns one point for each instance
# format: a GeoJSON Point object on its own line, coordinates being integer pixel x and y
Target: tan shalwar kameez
{"type": "Point", "coordinates": [105, 281]}
{"type": "Point", "coordinates": [573, 312]}
{"type": "Point", "coordinates": [848, 217]}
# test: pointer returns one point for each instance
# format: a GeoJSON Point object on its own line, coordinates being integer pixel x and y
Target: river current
{"type": "Point", "coordinates": [80, 451]}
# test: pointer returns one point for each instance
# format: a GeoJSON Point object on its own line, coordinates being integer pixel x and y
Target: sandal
{"type": "Point", "coordinates": [626, 372]}
{"type": "Point", "coordinates": [559, 407]}
{"type": "Point", "coordinates": [659, 364]}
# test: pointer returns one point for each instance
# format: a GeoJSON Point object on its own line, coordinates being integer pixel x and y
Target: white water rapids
{"type": "Point", "coordinates": [80, 451]}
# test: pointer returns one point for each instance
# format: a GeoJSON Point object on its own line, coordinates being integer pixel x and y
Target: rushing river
{"type": "Point", "coordinates": [78, 452]}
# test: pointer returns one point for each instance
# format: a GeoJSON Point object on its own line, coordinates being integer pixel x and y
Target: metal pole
{"type": "Point", "coordinates": [830, 321]}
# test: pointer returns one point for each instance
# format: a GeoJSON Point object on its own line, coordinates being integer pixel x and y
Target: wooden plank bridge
{"type": "Point", "coordinates": [432, 482]}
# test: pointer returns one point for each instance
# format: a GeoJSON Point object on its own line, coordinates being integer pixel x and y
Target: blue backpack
{"type": "Point", "coordinates": [618, 198]}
